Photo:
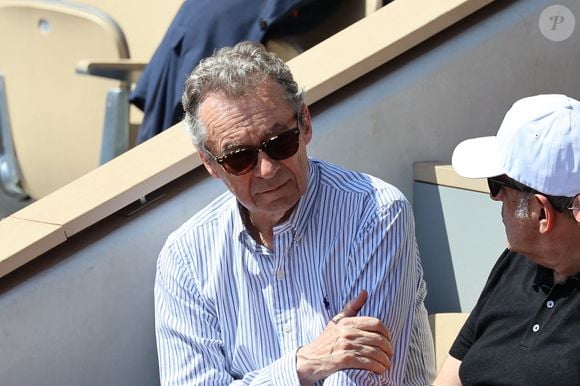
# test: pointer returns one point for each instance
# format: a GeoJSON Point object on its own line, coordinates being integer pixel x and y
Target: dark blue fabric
{"type": "Point", "coordinates": [199, 27]}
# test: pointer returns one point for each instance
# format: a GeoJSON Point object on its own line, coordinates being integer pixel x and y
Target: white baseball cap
{"type": "Point", "coordinates": [537, 144]}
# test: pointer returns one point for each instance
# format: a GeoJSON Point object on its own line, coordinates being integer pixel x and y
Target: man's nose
{"type": "Point", "coordinates": [266, 166]}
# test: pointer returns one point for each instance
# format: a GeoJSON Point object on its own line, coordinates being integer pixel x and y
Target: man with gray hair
{"type": "Point", "coordinates": [303, 272]}
{"type": "Point", "coordinates": [524, 328]}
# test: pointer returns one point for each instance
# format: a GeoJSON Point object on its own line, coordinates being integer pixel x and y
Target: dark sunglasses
{"type": "Point", "coordinates": [242, 161]}
{"type": "Point", "coordinates": [496, 183]}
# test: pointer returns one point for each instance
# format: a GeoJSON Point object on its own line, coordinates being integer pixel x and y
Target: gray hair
{"type": "Point", "coordinates": [235, 72]}
{"type": "Point", "coordinates": [522, 207]}
{"type": "Point", "coordinates": [560, 203]}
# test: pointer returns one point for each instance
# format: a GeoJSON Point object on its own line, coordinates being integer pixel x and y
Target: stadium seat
{"type": "Point", "coordinates": [445, 327]}
{"type": "Point", "coordinates": [55, 124]}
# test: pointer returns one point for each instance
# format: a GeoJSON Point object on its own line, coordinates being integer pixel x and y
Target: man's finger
{"type": "Point", "coordinates": [354, 305]}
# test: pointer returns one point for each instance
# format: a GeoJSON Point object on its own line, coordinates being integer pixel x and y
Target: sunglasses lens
{"type": "Point", "coordinates": [494, 187]}
{"type": "Point", "coordinates": [240, 162]}
{"type": "Point", "coordinates": [284, 145]}
{"type": "Point", "coordinates": [278, 148]}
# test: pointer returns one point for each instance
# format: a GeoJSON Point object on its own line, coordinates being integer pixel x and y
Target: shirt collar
{"type": "Point", "coordinates": [545, 279]}
{"type": "Point", "coordinates": [574, 280]}
{"type": "Point", "coordinates": [239, 228]}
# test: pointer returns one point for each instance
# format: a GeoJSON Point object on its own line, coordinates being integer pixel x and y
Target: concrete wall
{"type": "Point", "coordinates": [455, 86]}
{"type": "Point", "coordinates": [460, 236]}
{"type": "Point", "coordinates": [82, 314]}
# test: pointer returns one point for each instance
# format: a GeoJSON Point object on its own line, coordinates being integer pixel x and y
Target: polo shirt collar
{"type": "Point", "coordinates": [544, 279]}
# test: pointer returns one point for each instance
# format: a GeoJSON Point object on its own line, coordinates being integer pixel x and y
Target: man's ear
{"type": "Point", "coordinates": [209, 165]}
{"type": "Point", "coordinates": [546, 213]}
{"type": "Point", "coordinates": [306, 124]}
{"type": "Point", "coordinates": [576, 206]}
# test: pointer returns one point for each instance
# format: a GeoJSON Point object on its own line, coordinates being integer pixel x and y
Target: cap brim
{"type": "Point", "coordinates": [477, 158]}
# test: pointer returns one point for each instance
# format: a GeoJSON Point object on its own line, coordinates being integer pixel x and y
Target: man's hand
{"type": "Point", "coordinates": [347, 342]}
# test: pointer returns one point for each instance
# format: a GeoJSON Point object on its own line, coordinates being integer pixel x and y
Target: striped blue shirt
{"type": "Point", "coordinates": [230, 311]}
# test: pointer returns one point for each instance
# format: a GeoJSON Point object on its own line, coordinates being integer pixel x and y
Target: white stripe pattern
{"type": "Point", "coordinates": [231, 312]}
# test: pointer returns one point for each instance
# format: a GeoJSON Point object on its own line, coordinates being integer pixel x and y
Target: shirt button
{"type": "Point", "coordinates": [287, 328]}
{"type": "Point", "coordinates": [536, 328]}
{"type": "Point", "coordinates": [550, 304]}
{"type": "Point", "coordinates": [280, 274]}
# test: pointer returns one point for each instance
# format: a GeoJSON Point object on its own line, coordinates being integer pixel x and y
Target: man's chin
{"type": "Point", "coordinates": [280, 204]}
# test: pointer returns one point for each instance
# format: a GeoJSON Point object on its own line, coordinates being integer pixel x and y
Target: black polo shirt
{"type": "Point", "coordinates": [524, 329]}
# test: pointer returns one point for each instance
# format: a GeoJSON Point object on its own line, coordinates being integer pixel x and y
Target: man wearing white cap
{"type": "Point", "coordinates": [525, 327]}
